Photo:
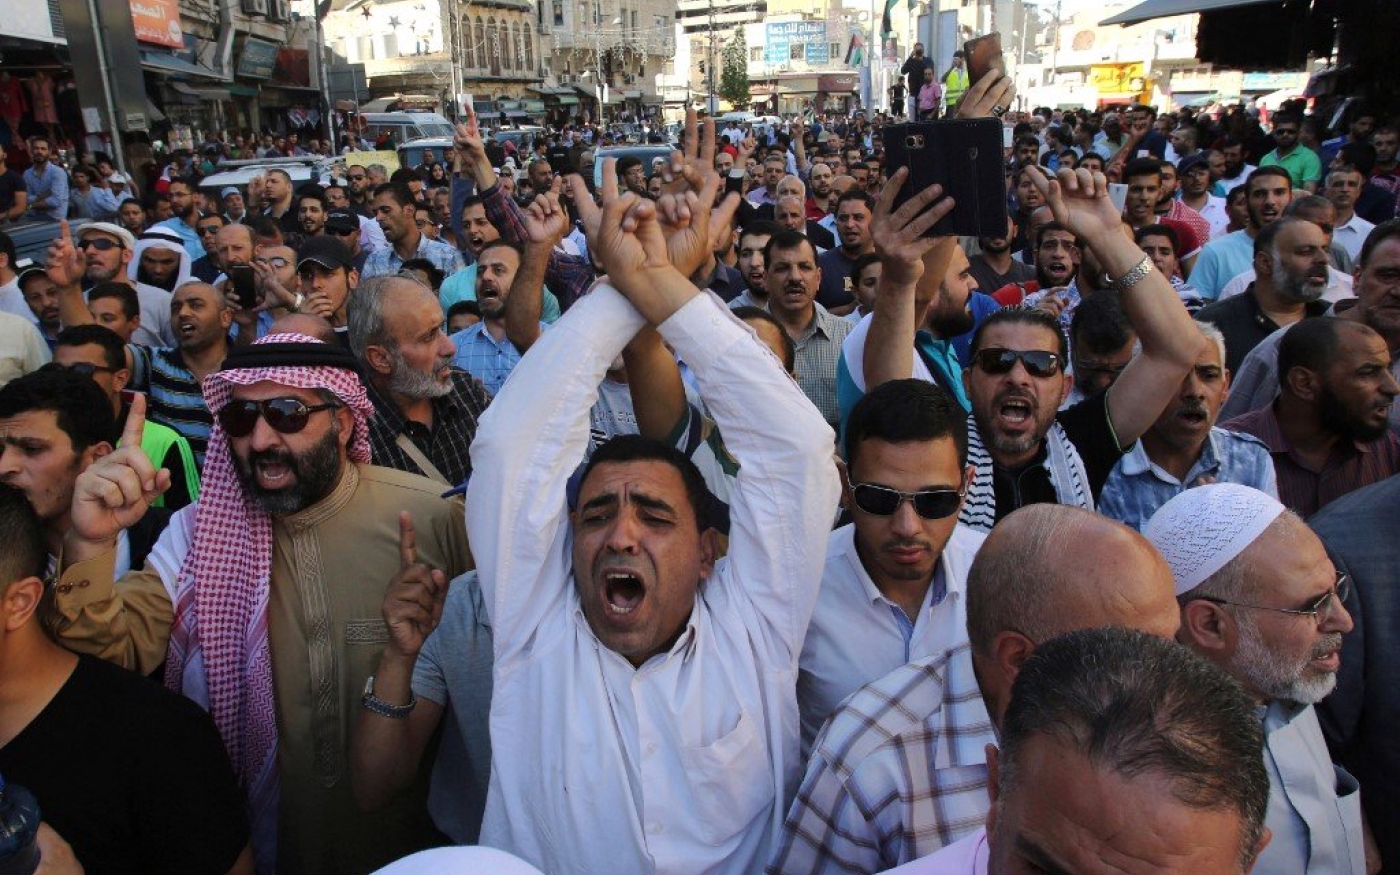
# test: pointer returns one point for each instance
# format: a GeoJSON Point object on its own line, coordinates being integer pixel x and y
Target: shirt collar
{"type": "Point", "coordinates": [952, 583]}
{"type": "Point", "coordinates": [1136, 462]}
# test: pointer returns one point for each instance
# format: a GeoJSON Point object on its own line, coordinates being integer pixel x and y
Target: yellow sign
{"type": "Point", "coordinates": [1118, 79]}
{"type": "Point", "coordinates": [388, 157]}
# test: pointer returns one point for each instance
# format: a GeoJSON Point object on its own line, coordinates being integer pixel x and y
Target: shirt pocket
{"type": "Point", "coordinates": [1349, 809]}
{"type": "Point", "coordinates": [732, 782]}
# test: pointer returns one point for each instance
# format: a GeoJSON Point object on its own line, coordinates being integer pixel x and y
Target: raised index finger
{"type": "Point", "coordinates": [135, 427]}
{"type": "Point", "coordinates": [408, 540]}
{"type": "Point", "coordinates": [64, 233]}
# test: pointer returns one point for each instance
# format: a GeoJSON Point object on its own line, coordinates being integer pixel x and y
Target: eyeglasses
{"type": "Point", "coordinates": [930, 504]}
{"type": "Point", "coordinates": [1000, 361]}
{"type": "Point", "coordinates": [209, 229]}
{"type": "Point", "coordinates": [275, 261]}
{"type": "Point", "coordinates": [82, 369]}
{"type": "Point", "coordinates": [284, 415]}
{"type": "Point", "coordinates": [356, 178]}
{"type": "Point", "coordinates": [1320, 610]}
{"type": "Point", "coordinates": [101, 244]}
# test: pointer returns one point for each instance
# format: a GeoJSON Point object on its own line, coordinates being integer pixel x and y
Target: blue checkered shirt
{"type": "Point", "coordinates": [1136, 487]}
{"type": "Point", "coordinates": [482, 356]}
{"type": "Point", "coordinates": [386, 261]}
{"type": "Point", "coordinates": [898, 772]}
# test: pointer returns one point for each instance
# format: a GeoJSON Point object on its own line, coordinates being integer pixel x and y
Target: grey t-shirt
{"type": "Point", "coordinates": [454, 670]}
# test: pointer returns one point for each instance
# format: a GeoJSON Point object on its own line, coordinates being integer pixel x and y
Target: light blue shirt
{"type": "Point", "coordinates": [52, 185]}
{"type": "Point", "coordinates": [1314, 806]}
{"type": "Point", "coordinates": [386, 261]}
{"type": "Point", "coordinates": [482, 356]}
{"type": "Point", "coordinates": [1137, 487]}
{"type": "Point", "coordinates": [189, 237]}
{"type": "Point", "coordinates": [1222, 260]}
{"type": "Point", "coordinates": [461, 286]}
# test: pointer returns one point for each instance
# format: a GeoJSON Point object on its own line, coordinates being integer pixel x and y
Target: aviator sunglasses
{"type": "Point", "coordinates": [283, 415]}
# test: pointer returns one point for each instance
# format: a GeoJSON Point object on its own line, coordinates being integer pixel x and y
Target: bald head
{"type": "Point", "coordinates": [1048, 569]}
{"type": "Point", "coordinates": [305, 323]}
{"type": "Point", "coordinates": [842, 184]}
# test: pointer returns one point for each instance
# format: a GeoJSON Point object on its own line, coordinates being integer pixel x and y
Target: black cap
{"type": "Point", "coordinates": [328, 252]}
{"type": "Point", "coordinates": [340, 220]}
{"type": "Point", "coordinates": [1190, 162]}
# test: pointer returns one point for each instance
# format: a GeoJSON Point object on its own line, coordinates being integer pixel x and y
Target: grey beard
{"type": "Point", "coordinates": [409, 383]}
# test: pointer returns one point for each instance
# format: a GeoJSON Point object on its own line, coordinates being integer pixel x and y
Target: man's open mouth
{"type": "Point", "coordinates": [623, 591]}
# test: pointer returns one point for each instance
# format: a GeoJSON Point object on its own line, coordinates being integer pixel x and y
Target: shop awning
{"type": "Point", "coordinates": [1164, 8]}
{"type": "Point", "coordinates": [245, 91]}
{"type": "Point", "coordinates": [160, 62]}
{"type": "Point", "coordinates": [214, 93]}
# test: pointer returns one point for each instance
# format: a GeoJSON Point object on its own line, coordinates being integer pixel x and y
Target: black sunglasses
{"type": "Point", "coordinates": [930, 504]}
{"type": "Point", "coordinates": [284, 415]}
{"type": "Point", "coordinates": [356, 178]}
{"type": "Point", "coordinates": [344, 232]}
{"type": "Point", "coordinates": [82, 369]}
{"type": "Point", "coordinates": [209, 229]}
{"type": "Point", "coordinates": [1000, 361]}
{"type": "Point", "coordinates": [101, 244]}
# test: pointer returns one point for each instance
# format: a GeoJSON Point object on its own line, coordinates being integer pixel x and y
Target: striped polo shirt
{"type": "Point", "coordinates": [173, 394]}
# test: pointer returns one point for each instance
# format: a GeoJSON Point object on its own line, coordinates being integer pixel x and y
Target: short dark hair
{"type": "Point", "coordinates": [1135, 704]}
{"type": "Point", "coordinates": [859, 266]}
{"type": "Point", "coordinates": [1379, 234]}
{"type": "Point", "coordinates": [1361, 156]}
{"type": "Point", "coordinates": [1023, 316]}
{"type": "Point", "coordinates": [265, 227]}
{"type": "Point", "coordinates": [473, 200]}
{"type": "Point", "coordinates": [312, 191]}
{"type": "Point", "coordinates": [758, 314]}
{"type": "Point", "coordinates": [634, 448]}
{"type": "Point", "coordinates": [280, 172]}
{"type": "Point", "coordinates": [627, 162]}
{"type": "Point", "coordinates": [1142, 167]}
{"type": "Point", "coordinates": [785, 239]}
{"type": "Point", "coordinates": [403, 176]}
{"type": "Point", "coordinates": [760, 228]}
{"type": "Point", "coordinates": [853, 194]}
{"type": "Point", "coordinates": [1166, 231]}
{"type": "Point", "coordinates": [1100, 324]}
{"type": "Point", "coordinates": [26, 554]}
{"type": "Point", "coordinates": [81, 408]}
{"type": "Point", "coordinates": [1311, 344]}
{"type": "Point", "coordinates": [7, 249]}
{"type": "Point", "coordinates": [121, 291]}
{"type": "Point", "coordinates": [1287, 117]}
{"type": "Point", "coordinates": [901, 411]}
{"type": "Point", "coordinates": [469, 308]}
{"type": "Point", "coordinates": [503, 243]}
{"type": "Point", "coordinates": [435, 274]}
{"type": "Point", "coordinates": [400, 191]}
{"type": "Point", "coordinates": [1238, 191]}
{"type": "Point", "coordinates": [113, 348]}
{"type": "Point", "coordinates": [1268, 170]}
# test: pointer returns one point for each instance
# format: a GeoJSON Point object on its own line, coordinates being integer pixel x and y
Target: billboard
{"type": "Point", "coordinates": [779, 39]}
{"type": "Point", "coordinates": [157, 21]}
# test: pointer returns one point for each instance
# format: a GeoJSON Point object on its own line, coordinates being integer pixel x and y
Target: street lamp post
{"type": "Point", "coordinates": [711, 99]}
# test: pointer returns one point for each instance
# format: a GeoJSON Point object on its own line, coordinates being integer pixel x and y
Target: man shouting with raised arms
{"type": "Point", "coordinates": [668, 677]}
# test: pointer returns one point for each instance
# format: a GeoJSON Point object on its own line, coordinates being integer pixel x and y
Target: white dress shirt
{"type": "Point", "coordinates": [1338, 285]}
{"type": "Point", "coordinates": [683, 765]}
{"type": "Point", "coordinates": [1351, 235]}
{"type": "Point", "coordinates": [855, 637]}
{"type": "Point", "coordinates": [1215, 213]}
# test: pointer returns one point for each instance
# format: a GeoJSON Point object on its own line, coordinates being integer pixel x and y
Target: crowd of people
{"type": "Point", "coordinates": [712, 518]}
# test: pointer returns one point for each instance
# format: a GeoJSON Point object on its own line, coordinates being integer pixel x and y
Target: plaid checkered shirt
{"type": "Point", "coordinates": [897, 773]}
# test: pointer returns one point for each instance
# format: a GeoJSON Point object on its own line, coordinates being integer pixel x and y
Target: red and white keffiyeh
{"type": "Point", "coordinates": [219, 653]}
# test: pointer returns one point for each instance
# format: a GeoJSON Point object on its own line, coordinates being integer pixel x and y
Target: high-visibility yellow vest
{"type": "Point", "coordinates": [954, 86]}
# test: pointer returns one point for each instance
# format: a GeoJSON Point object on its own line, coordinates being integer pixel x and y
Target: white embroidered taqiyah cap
{"type": "Point", "coordinates": [460, 861]}
{"type": "Point", "coordinates": [1202, 529]}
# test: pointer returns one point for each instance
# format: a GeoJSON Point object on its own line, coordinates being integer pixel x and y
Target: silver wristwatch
{"type": "Point", "coordinates": [1134, 276]}
{"type": "Point", "coordinates": [371, 702]}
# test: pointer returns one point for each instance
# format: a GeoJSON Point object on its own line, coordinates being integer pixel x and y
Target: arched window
{"type": "Point", "coordinates": [479, 45]}
{"type": "Point", "coordinates": [530, 50]}
{"type": "Point", "coordinates": [509, 48]}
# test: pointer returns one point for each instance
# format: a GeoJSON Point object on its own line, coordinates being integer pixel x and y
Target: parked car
{"type": "Point", "coordinates": [647, 152]}
{"type": "Point", "coordinates": [411, 153]}
{"type": "Point", "coordinates": [33, 236]}
{"type": "Point", "coordinates": [302, 170]}
{"type": "Point", "coordinates": [404, 126]}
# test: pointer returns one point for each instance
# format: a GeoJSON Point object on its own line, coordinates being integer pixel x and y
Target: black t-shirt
{"type": "Point", "coordinates": [1086, 425]}
{"type": "Point", "coordinates": [10, 182]}
{"type": "Point", "coordinates": [134, 777]}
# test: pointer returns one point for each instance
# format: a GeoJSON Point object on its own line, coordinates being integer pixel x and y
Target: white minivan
{"type": "Point", "coordinates": [405, 126]}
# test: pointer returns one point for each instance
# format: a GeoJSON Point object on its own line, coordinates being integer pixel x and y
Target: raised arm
{"type": "Point", "coordinates": [1170, 342]}
{"type": "Point", "coordinates": [517, 518]}
{"type": "Point", "coordinates": [542, 226]}
{"type": "Point", "coordinates": [911, 271]}
{"type": "Point", "coordinates": [65, 266]}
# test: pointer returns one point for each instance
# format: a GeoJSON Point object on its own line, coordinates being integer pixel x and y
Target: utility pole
{"type": "Point", "coordinates": [711, 100]}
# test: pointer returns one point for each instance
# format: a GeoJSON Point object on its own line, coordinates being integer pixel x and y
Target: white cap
{"type": "Point", "coordinates": [1202, 529]}
{"type": "Point", "coordinates": [117, 178]}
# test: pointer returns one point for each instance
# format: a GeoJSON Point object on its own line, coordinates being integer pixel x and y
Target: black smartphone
{"type": "Point", "coordinates": [964, 157]}
{"type": "Point", "coordinates": [244, 285]}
